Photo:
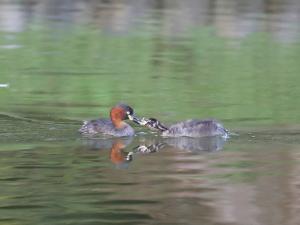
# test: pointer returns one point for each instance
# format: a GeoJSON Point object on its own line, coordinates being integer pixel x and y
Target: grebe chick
{"type": "Point", "coordinates": [114, 126]}
{"type": "Point", "coordinates": [188, 128]}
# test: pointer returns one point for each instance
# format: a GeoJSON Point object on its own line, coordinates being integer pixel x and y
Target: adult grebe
{"type": "Point", "coordinates": [114, 126]}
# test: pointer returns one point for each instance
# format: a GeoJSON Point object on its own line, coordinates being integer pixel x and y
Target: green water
{"type": "Point", "coordinates": [80, 74]}
{"type": "Point", "coordinates": [49, 174]}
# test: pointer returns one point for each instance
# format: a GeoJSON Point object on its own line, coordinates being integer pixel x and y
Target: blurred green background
{"type": "Point", "coordinates": [63, 61]}
{"type": "Point", "coordinates": [75, 59]}
{"type": "Point", "coordinates": [83, 72]}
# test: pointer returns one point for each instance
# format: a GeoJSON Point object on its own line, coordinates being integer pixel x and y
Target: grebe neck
{"type": "Point", "coordinates": [117, 115]}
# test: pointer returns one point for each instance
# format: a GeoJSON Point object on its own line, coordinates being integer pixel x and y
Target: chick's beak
{"type": "Point", "coordinates": [135, 119]}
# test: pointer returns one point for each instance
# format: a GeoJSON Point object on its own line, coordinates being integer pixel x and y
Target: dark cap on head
{"type": "Point", "coordinates": [127, 108]}
{"type": "Point", "coordinates": [129, 113]}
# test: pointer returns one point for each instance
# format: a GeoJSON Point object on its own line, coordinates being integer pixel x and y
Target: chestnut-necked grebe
{"type": "Point", "coordinates": [188, 128]}
{"type": "Point", "coordinates": [114, 126]}
{"type": "Point", "coordinates": [117, 146]}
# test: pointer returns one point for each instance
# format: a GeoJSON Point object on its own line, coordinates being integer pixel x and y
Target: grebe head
{"type": "Point", "coordinates": [122, 112]}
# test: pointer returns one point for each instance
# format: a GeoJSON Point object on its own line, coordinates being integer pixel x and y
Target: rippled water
{"type": "Point", "coordinates": [51, 175]}
{"type": "Point", "coordinates": [63, 61]}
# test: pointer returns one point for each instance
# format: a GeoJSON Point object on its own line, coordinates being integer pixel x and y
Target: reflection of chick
{"type": "Point", "coordinates": [155, 147]}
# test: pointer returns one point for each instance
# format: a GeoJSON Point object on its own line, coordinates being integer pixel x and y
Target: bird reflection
{"type": "Point", "coordinates": [117, 154]}
{"type": "Point", "coordinates": [195, 145]}
{"type": "Point", "coordinates": [121, 152]}
{"type": "Point", "coordinates": [209, 144]}
{"type": "Point", "coordinates": [116, 146]}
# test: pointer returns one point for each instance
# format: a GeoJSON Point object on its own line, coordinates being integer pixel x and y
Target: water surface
{"type": "Point", "coordinates": [63, 62]}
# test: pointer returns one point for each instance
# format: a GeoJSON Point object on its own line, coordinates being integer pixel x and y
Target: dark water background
{"type": "Point", "coordinates": [65, 61]}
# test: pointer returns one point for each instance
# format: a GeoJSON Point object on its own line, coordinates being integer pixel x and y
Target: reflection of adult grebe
{"type": "Point", "coordinates": [117, 154]}
{"type": "Point", "coordinates": [121, 157]}
{"type": "Point", "coordinates": [188, 128]}
{"type": "Point", "coordinates": [116, 146]}
{"type": "Point", "coordinates": [114, 126]}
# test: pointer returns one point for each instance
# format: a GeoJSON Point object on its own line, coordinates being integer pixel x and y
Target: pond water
{"type": "Point", "coordinates": [66, 61]}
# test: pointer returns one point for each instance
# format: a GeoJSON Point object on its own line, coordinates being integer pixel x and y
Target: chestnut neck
{"type": "Point", "coordinates": [117, 116]}
{"type": "Point", "coordinates": [117, 155]}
